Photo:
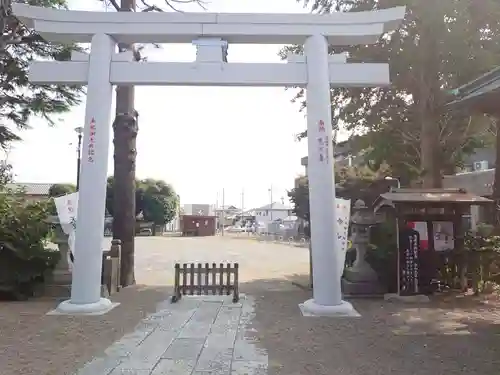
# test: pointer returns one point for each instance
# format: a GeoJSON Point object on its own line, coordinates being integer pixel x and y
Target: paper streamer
{"type": "Point", "coordinates": [342, 220]}
{"type": "Point", "coordinates": [67, 209]}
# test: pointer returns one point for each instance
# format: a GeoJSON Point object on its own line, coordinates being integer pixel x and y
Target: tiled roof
{"type": "Point", "coordinates": [417, 196]}
{"type": "Point", "coordinates": [38, 189]}
{"type": "Point", "coordinates": [277, 206]}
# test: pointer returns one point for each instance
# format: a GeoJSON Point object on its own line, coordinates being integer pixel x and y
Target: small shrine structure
{"type": "Point", "coordinates": [417, 243]}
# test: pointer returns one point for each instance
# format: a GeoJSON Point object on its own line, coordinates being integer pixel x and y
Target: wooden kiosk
{"type": "Point", "coordinates": [418, 261]}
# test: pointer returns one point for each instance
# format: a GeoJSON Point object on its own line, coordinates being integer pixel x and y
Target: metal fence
{"type": "Point", "coordinates": [275, 234]}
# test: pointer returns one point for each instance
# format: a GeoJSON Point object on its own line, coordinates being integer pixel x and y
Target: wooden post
{"type": "Point", "coordinates": [236, 295]}
{"type": "Point", "coordinates": [198, 280]}
{"type": "Point", "coordinates": [221, 279]}
{"type": "Point", "coordinates": [214, 278]}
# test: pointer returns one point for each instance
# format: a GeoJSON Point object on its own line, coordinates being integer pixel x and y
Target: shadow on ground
{"type": "Point", "coordinates": [450, 335]}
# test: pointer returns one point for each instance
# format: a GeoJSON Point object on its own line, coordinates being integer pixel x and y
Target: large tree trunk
{"type": "Point", "coordinates": [429, 150]}
{"type": "Point", "coordinates": [426, 100]}
{"type": "Point", "coordinates": [125, 133]}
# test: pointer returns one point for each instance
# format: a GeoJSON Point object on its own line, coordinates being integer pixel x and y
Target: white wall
{"type": "Point", "coordinates": [194, 209]}
{"type": "Point", "coordinates": [267, 216]}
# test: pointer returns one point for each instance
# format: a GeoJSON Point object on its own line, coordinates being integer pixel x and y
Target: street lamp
{"type": "Point", "coordinates": [389, 178]}
{"type": "Point", "coordinates": [79, 131]}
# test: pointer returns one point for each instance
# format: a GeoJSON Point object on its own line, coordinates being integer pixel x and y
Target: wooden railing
{"type": "Point", "coordinates": [206, 279]}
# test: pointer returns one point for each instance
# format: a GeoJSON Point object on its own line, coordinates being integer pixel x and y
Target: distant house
{"type": "Point", "coordinates": [34, 191]}
{"type": "Point", "coordinates": [271, 212]}
{"type": "Point", "coordinates": [482, 159]}
{"type": "Point", "coordinates": [198, 209]}
{"type": "Point", "coordinates": [226, 215]}
{"type": "Point", "coordinates": [227, 210]}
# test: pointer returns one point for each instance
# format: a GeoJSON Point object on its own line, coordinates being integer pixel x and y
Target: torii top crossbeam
{"type": "Point", "coordinates": [169, 27]}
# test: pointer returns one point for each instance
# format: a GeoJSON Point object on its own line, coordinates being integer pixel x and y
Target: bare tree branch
{"type": "Point", "coordinates": [147, 6]}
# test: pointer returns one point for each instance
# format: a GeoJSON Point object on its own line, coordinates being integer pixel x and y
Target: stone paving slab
{"type": "Point", "coordinates": [199, 335]}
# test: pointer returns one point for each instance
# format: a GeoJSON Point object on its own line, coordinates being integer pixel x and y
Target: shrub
{"type": "Point", "coordinates": [24, 260]}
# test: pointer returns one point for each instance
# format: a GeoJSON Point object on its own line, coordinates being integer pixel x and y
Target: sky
{"type": "Point", "coordinates": [239, 139]}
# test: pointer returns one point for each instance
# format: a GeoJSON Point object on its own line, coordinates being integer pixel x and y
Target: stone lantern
{"type": "Point", "coordinates": [60, 283]}
{"type": "Point", "coordinates": [361, 279]}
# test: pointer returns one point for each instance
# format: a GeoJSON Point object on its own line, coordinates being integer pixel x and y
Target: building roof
{"type": "Point", "coordinates": [275, 206]}
{"type": "Point", "coordinates": [227, 208]}
{"type": "Point", "coordinates": [429, 196]}
{"type": "Point", "coordinates": [478, 92]}
{"type": "Point", "coordinates": [31, 188]}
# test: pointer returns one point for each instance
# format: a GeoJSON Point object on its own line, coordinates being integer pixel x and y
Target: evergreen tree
{"type": "Point", "coordinates": [439, 46]}
{"type": "Point", "coordinates": [19, 99]}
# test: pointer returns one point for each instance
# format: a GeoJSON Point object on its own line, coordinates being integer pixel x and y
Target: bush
{"type": "Point", "coordinates": [24, 260]}
{"type": "Point", "coordinates": [482, 259]}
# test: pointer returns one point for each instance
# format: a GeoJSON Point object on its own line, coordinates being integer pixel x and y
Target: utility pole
{"type": "Point", "coordinates": [124, 139]}
{"type": "Point", "coordinates": [271, 198]}
{"type": "Point", "coordinates": [79, 131]}
{"type": "Point", "coordinates": [242, 206]}
{"type": "Point", "coordinates": [217, 212]}
{"type": "Point", "coordinates": [223, 214]}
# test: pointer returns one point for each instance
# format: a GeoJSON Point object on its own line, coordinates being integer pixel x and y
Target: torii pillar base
{"type": "Point", "coordinates": [101, 307]}
{"type": "Point", "coordinates": [311, 308]}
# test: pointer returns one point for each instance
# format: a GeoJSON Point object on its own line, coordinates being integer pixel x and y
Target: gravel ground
{"type": "Point", "coordinates": [441, 338]}
{"type": "Point", "coordinates": [449, 336]}
{"type": "Point", "coordinates": [34, 343]}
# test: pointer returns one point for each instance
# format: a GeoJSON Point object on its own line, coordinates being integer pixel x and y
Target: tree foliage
{"type": "Point", "coordinates": [154, 199]}
{"type": "Point", "coordinates": [24, 260]}
{"type": "Point", "coordinates": [6, 175]}
{"type": "Point", "coordinates": [19, 99]}
{"type": "Point", "coordinates": [159, 201]}
{"type": "Point", "coordinates": [57, 190]}
{"type": "Point", "coordinates": [353, 183]}
{"type": "Point", "coordinates": [439, 46]}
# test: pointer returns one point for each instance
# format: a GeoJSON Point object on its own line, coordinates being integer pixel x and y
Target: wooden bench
{"type": "Point", "coordinates": [206, 279]}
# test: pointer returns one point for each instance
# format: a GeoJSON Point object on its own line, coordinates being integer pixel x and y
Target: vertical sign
{"type": "Point", "coordinates": [91, 146]}
{"type": "Point", "coordinates": [342, 214]}
{"type": "Point", "coordinates": [322, 142]}
{"type": "Point", "coordinates": [409, 246]}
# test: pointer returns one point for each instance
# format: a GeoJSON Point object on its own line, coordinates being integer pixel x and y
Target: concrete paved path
{"type": "Point", "coordinates": [199, 335]}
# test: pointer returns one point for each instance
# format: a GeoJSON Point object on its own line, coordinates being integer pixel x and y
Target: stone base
{"type": "Point", "coordinates": [362, 288]}
{"type": "Point", "coordinates": [360, 274]}
{"type": "Point", "coordinates": [311, 308]}
{"type": "Point", "coordinates": [419, 298]}
{"type": "Point", "coordinates": [100, 307]}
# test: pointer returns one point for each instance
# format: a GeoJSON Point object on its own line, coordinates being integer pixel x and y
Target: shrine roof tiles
{"type": "Point", "coordinates": [429, 196]}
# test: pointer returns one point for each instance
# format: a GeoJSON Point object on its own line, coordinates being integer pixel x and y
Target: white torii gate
{"type": "Point", "coordinates": [211, 33]}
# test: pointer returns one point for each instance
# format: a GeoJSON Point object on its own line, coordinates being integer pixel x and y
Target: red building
{"type": "Point", "coordinates": [198, 225]}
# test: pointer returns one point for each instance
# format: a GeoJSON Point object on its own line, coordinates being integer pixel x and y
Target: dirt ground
{"type": "Point", "coordinates": [448, 336]}
{"type": "Point", "coordinates": [451, 335]}
{"type": "Point", "coordinates": [34, 343]}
